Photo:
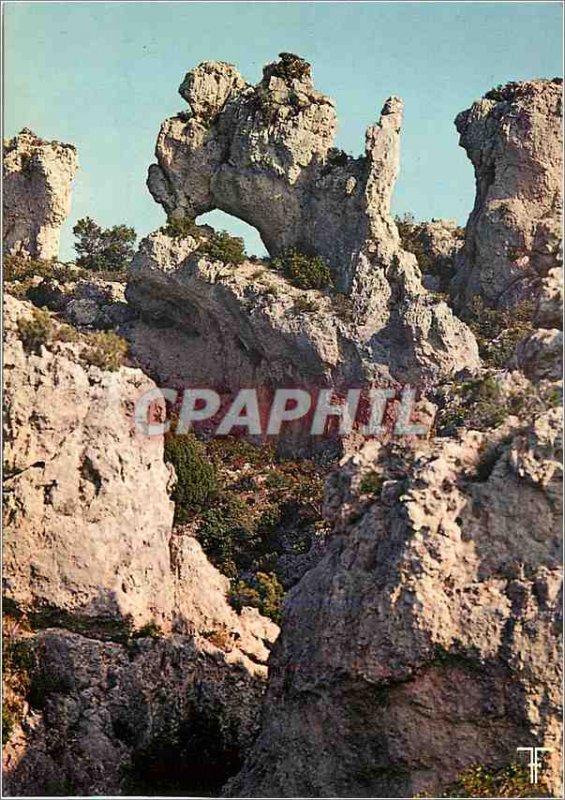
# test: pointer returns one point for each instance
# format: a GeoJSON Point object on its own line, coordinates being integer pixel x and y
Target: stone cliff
{"type": "Point", "coordinates": [37, 179]}
{"type": "Point", "coordinates": [420, 632]}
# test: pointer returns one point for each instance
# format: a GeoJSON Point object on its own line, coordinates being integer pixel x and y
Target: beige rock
{"type": "Point", "coordinates": [513, 136]}
{"type": "Point", "coordinates": [37, 178]}
{"type": "Point", "coordinates": [88, 515]}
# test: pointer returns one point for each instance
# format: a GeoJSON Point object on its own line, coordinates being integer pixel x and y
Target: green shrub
{"type": "Point", "coordinates": [303, 271]}
{"type": "Point", "coordinates": [510, 781]}
{"type": "Point", "coordinates": [371, 483]}
{"type": "Point", "coordinates": [105, 350]}
{"type": "Point", "coordinates": [181, 228]}
{"type": "Point", "coordinates": [8, 723]}
{"type": "Point", "coordinates": [197, 481]}
{"type": "Point", "coordinates": [103, 248]}
{"type": "Point", "coordinates": [263, 591]}
{"type": "Point", "coordinates": [220, 246]}
{"type": "Point", "coordinates": [36, 331]}
{"type": "Point", "coordinates": [499, 330]}
{"type": "Point", "coordinates": [150, 630]}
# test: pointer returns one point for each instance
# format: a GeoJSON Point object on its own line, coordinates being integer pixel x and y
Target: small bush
{"type": "Point", "coordinates": [371, 483]}
{"type": "Point", "coordinates": [197, 481]}
{"type": "Point", "coordinates": [150, 631]}
{"type": "Point", "coordinates": [103, 248]}
{"type": "Point", "coordinates": [498, 331]}
{"type": "Point", "coordinates": [8, 723]}
{"type": "Point", "coordinates": [220, 246]}
{"type": "Point", "coordinates": [36, 331]}
{"type": "Point", "coordinates": [105, 350]}
{"type": "Point", "coordinates": [264, 591]}
{"type": "Point", "coordinates": [511, 781]}
{"type": "Point", "coordinates": [303, 271]}
{"type": "Point", "coordinates": [181, 228]}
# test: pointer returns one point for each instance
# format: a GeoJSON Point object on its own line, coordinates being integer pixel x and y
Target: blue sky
{"type": "Point", "coordinates": [103, 76]}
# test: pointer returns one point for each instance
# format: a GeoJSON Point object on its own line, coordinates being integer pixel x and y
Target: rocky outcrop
{"type": "Point", "coordinates": [37, 178]}
{"type": "Point", "coordinates": [436, 244]}
{"type": "Point", "coordinates": [513, 137]}
{"type": "Point", "coordinates": [134, 654]}
{"type": "Point", "coordinates": [151, 716]}
{"type": "Point", "coordinates": [265, 154]}
{"type": "Point", "coordinates": [202, 320]}
{"type": "Point", "coordinates": [424, 641]}
{"type": "Point", "coordinates": [74, 460]}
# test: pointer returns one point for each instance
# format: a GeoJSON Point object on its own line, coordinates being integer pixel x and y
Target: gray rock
{"type": "Point", "coordinates": [424, 640]}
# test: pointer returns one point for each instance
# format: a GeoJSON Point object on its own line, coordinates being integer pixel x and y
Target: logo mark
{"type": "Point", "coordinates": [535, 763]}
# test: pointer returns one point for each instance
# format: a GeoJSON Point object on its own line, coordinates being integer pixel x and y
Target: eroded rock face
{"type": "Point", "coordinates": [202, 320]}
{"type": "Point", "coordinates": [265, 154]}
{"type": "Point", "coordinates": [90, 554]}
{"type": "Point", "coordinates": [37, 194]}
{"type": "Point", "coordinates": [426, 636]}
{"type": "Point", "coordinates": [75, 462]}
{"type": "Point", "coordinates": [143, 718]}
{"type": "Point", "coordinates": [513, 136]}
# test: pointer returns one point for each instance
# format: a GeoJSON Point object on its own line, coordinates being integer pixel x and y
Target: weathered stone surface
{"type": "Point", "coordinates": [265, 154]}
{"type": "Point", "coordinates": [438, 244]}
{"type": "Point", "coordinates": [204, 321]}
{"type": "Point", "coordinates": [88, 516]}
{"type": "Point", "coordinates": [424, 641]}
{"type": "Point", "coordinates": [37, 194]}
{"type": "Point", "coordinates": [549, 310]}
{"type": "Point", "coordinates": [540, 355]}
{"type": "Point", "coordinates": [143, 718]}
{"type": "Point", "coordinates": [513, 136]}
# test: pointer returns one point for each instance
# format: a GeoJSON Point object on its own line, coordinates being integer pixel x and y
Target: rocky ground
{"type": "Point", "coordinates": [377, 618]}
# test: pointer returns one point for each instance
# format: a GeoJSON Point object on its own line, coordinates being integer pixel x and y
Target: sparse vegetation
{"type": "Point", "coordinates": [148, 631]}
{"type": "Point", "coordinates": [371, 483]}
{"type": "Point", "coordinates": [36, 330]}
{"type": "Point", "coordinates": [103, 248]}
{"type": "Point", "coordinates": [499, 330]}
{"type": "Point", "coordinates": [511, 781]}
{"type": "Point", "coordinates": [302, 270]}
{"type": "Point", "coordinates": [263, 591]}
{"type": "Point", "coordinates": [220, 246]}
{"type": "Point", "coordinates": [180, 228]}
{"type": "Point", "coordinates": [484, 403]}
{"type": "Point", "coordinates": [105, 350]}
{"type": "Point", "coordinates": [248, 511]}
{"type": "Point", "coordinates": [410, 233]}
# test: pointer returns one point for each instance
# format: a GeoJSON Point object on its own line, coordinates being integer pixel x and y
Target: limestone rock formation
{"type": "Point", "coordinates": [265, 154]}
{"type": "Point", "coordinates": [134, 654]}
{"type": "Point", "coordinates": [37, 179]}
{"type": "Point", "coordinates": [513, 137]}
{"type": "Point", "coordinates": [437, 245]}
{"type": "Point", "coordinates": [204, 321]}
{"type": "Point", "coordinates": [145, 717]}
{"type": "Point", "coordinates": [424, 641]}
{"type": "Point", "coordinates": [75, 462]}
